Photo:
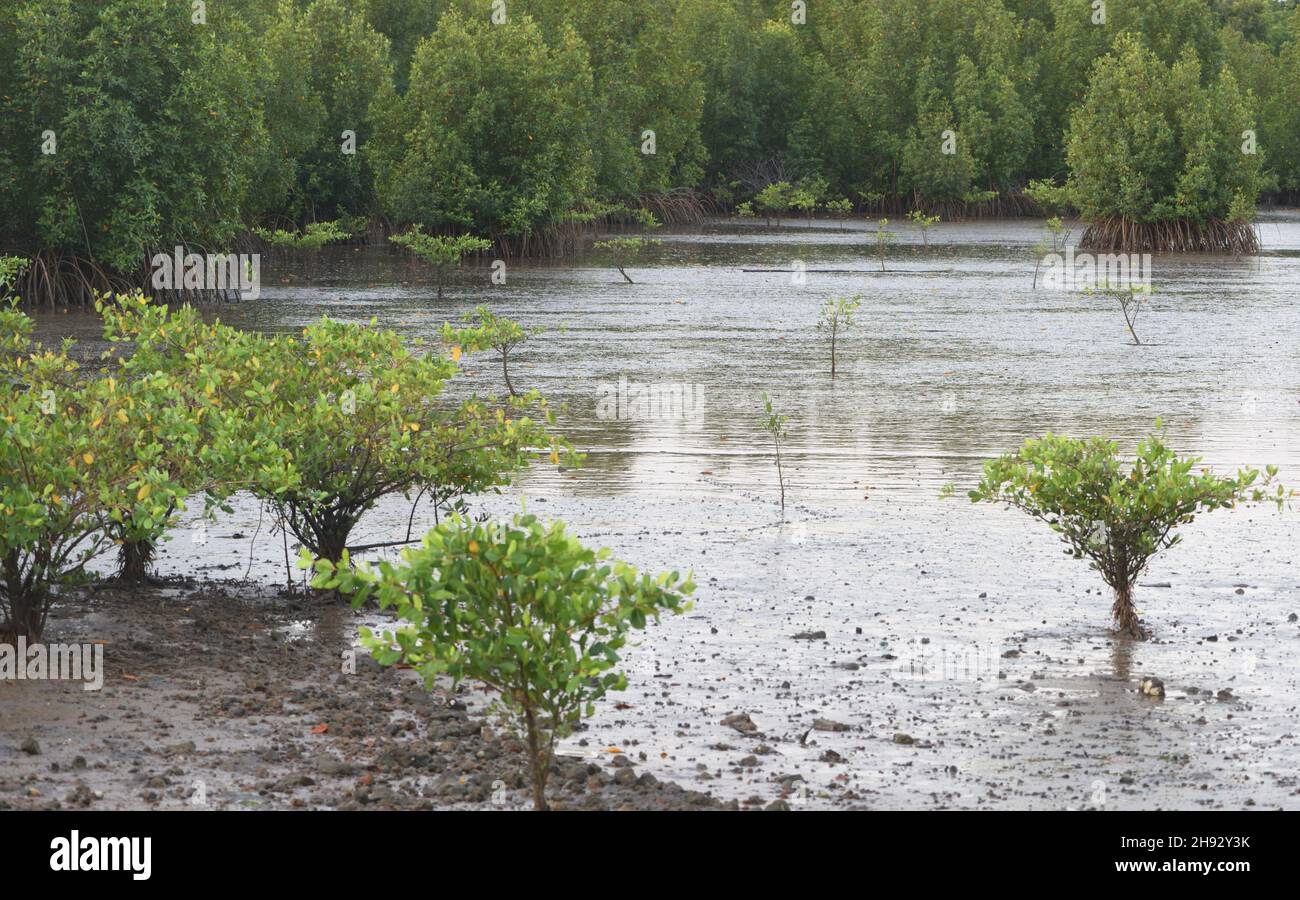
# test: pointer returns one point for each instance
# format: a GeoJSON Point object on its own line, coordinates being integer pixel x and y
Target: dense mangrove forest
{"type": "Point", "coordinates": [129, 128]}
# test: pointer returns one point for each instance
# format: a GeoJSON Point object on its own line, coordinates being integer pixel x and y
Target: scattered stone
{"type": "Point", "coordinates": [829, 725]}
{"type": "Point", "coordinates": [1152, 687]}
{"type": "Point", "coordinates": [31, 747]}
{"type": "Point", "coordinates": [810, 636]}
{"type": "Point", "coordinates": [901, 738]}
{"type": "Point", "coordinates": [741, 722]}
{"type": "Point", "coordinates": [777, 806]}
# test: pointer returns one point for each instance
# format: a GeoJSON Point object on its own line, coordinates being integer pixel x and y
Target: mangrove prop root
{"type": "Point", "coordinates": [1118, 234]}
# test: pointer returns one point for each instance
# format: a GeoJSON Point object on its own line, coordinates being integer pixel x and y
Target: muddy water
{"type": "Point", "coordinates": [964, 656]}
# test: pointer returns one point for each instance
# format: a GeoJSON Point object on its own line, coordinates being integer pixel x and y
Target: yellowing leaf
{"type": "Point", "coordinates": [143, 492]}
{"type": "Point", "coordinates": [455, 353]}
{"type": "Point", "coordinates": [88, 458]}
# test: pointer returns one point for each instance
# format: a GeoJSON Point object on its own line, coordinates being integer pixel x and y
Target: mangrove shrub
{"type": "Point", "coordinates": [1116, 516]}
{"type": "Point", "coordinates": [519, 606]}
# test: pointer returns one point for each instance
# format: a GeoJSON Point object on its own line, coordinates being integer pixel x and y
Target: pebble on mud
{"type": "Point", "coordinates": [829, 725]}
{"type": "Point", "coordinates": [741, 722]}
{"type": "Point", "coordinates": [1152, 687]}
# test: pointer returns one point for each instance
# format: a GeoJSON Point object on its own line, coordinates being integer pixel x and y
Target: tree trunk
{"type": "Point", "coordinates": [133, 561]}
{"type": "Point", "coordinates": [625, 275]}
{"type": "Point", "coordinates": [505, 371]}
{"type": "Point", "coordinates": [26, 619]}
{"type": "Point", "coordinates": [1125, 613]}
{"type": "Point", "coordinates": [332, 545]}
{"type": "Point", "coordinates": [540, 761]}
{"type": "Point", "coordinates": [26, 607]}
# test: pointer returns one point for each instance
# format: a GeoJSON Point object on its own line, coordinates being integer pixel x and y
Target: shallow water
{"type": "Point", "coordinates": [955, 357]}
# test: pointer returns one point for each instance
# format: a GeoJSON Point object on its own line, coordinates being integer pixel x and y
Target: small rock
{"type": "Point", "coordinates": [777, 806]}
{"type": "Point", "coordinates": [31, 747]}
{"type": "Point", "coordinates": [1152, 687]}
{"type": "Point", "coordinates": [901, 738]}
{"type": "Point", "coordinates": [829, 725]}
{"type": "Point", "coordinates": [741, 722]}
{"type": "Point", "coordinates": [810, 636]}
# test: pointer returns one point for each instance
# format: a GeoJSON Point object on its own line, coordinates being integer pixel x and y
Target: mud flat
{"type": "Point", "coordinates": [895, 655]}
{"type": "Point", "coordinates": [876, 648]}
{"type": "Point", "coordinates": [230, 697]}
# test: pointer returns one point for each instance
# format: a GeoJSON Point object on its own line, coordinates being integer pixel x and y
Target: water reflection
{"type": "Point", "coordinates": [955, 356]}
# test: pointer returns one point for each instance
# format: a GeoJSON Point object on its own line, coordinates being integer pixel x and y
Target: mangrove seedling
{"type": "Point", "coordinates": [841, 208]}
{"type": "Point", "coordinates": [520, 606]}
{"type": "Point", "coordinates": [313, 237]}
{"type": "Point", "coordinates": [774, 424]}
{"type": "Point", "coordinates": [1053, 241]}
{"type": "Point", "coordinates": [883, 237]}
{"type": "Point", "coordinates": [837, 316]}
{"type": "Point", "coordinates": [624, 251]}
{"type": "Point", "coordinates": [487, 330]}
{"type": "Point", "coordinates": [923, 222]}
{"type": "Point", "coordinates": [1131, 299]}
{"type": "Point", "coordinates": [438, 251]}
{"type": "Point", "coordinates": [776, 199]}
{"type": "Point", "coordinates": [1116, 519]}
